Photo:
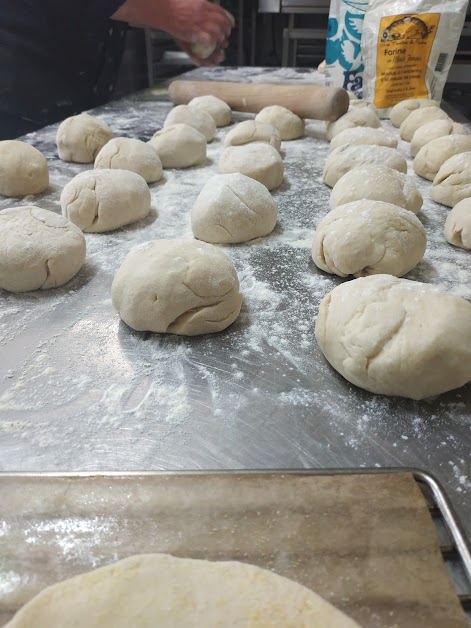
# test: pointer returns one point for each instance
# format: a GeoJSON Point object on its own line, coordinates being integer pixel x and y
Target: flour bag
{"type": "Point", "coordinates": [408, 47]}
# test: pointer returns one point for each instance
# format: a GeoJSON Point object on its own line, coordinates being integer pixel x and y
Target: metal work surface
{"type": "Point", "coordinates": [79, 390]}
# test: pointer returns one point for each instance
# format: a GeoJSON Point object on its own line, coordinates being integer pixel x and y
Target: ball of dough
{"type": "Point", "coordinates": [452, 183]}
{"type": "Point", "coordinates": [80, 138]}
{"type": "Point", "coordinates": [177, 287]}
{"type": "Point", "coordinates": [418, 118]}
{"type": "Point", "coordinates": [104, 200]}
{"type": "Point", "coordinates": [220, 111]}
{"type": "Point", "coordinates": [404, 108]}
{"type": "Point", "coordinates": [23, 169]}
{"type": "Point", "coordinates": [179, 146]}
{"type": "Point", "coordinates": [259, 161]}
{"type": "Point", "coordinates": [192, 116]}
{"type": "Point", "coordinates": [38, 249]}
{"type": "Point", "coordinates": [430, 131]}
{"type": "Point", "coordinates": [202, 49]}
{"type": "Point", "coordinates": [458, 225]}
{"type": "Point", "coordinates": [252, 131]}
{"type": "Point", "coordinates": [396, 337]}
{"type": "Point", "coordinates": [288, 124]}
{"type": "Point", "coordinates": [233, 208]}
{"type": "Point", "coordinates": [125, 153]}
{"type": "Point", "coordinates": [433, 155]}
{"type": "Point", "coordinates": [358, 116]}
{"type": "Point", "coordinates": [376, 183]}
{"type": "Point", "coordinates": [368, 238]}
{"type": "Point", "coordinates": [343, 159]}
{"type": "Point", "coordinates": [363, 135]}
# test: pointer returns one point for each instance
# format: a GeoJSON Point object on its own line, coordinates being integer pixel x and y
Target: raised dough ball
{"type": "Point", "coordinates": [288, 124]}
{"type": "Point", "coordinates": [192, 116]}
{"type": "Point", "coordinates": [38, 249]}
{"type": "Point", "coordinates": [345, 158]}
{"type": "Point", "coordinates": [258, 161]}
{"type": "Point", "coordinates": [363, 135]}
{"type": "Point", "coordinates": [252, 131]}
{"type": "Point", "coordinates": [177, 287]}
{"type": "Point", "coordinates": [220, 111]}
{"type": "Point", "coordinates": [404, 108]}
{"type": "Point", "coordinates": [418, 118]}
{"type": "Point", "coordinates": [23, 169]}
{"type": "Point", "coordinates": [452, 183]}
{"type": "Point", "coordinates": [368, 238]}
{"type": "Point", "coordinates": [358, 116]}
{"type": "Point", "coordinates": [202, 49]}
{"type": "Point", "coordinates": [80, 138]}
{"type": "Point", "coordinates": [376, 183]}
{"type": "Point", "coordinates": [436, 128]}
{"type": "Point", "coordinates": [125, 153]}
{"type": "Point", "coordinates": [396, 337]}
{"type": "Point", "coordinates": [458, 225]}
{"type": "Point", "coordinates": [233, 208]}
{"type": "Point", "coordinates": [179, 146]}
{"type": "Point", "coordinates": [433, 155]}
{"type": "Point", "coordinates": [104, 200]}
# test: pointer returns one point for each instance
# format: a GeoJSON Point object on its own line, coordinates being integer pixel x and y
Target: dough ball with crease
{"type": "Point", "coordinates": [125, 153]}
{"type": "Point", "coordinates": [343, 159]}
{"type": "Point", "coordinates": [104, 200]}
{"type": "Point", "coordinates": [458, 225]}
{"type": "Point", "coordinates": [23, 169]}
{"type": "Point", "coordinates": [233, 208]}
{"type": "Point", "coordinates": [288, 124]}
{"type": "Point", "coordinates": [219, 110]}
{"type": "Point", "coordinates": [433, 155]}
{"type": "Point", "coordinates": [363, 135]}
{"type": "Point", "coordinates": [80, 138]}
{"type": "Point", "coordinates": [376, 183]}
{"type": "Point", "coordinates": [452, 183]}
{"type": "Point", "coordinates": [179, 146]}
{"type": "Point", "coordinates": [252, 131]}
{"type": "Point", "coordinates": [396, 337]}
{"type": "Point", "coordinates": [418, 118]}
{"type": "Point", "coordinates": [430, 131]}
{"type": "Point", "coordinates": [404, 108]}
{"type": "Point", "coordinates": [258, 161]}
{"type": "Point", "coordinates": [194, 117]}
{"type": "Point", "coordinates": [181, 287]}
{"type": "Point", "coordinates": [358, 116]}
{"type": "Point", "coordinates": [368, 238]}
{"type": "Point", "coordinates": [38, 249]}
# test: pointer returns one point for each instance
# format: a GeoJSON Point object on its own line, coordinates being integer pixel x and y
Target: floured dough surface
{"type": "Point", "coordinates": [358, 116]}
{"type": "Point", "coordinates": [219, 110]}
{"type": "Point", "coordinates": [23, 169]}
{"type": "Point", "coordinates": [452, 182]}
{"type": "Point", "coordinates": [363, 135]}
{"type": "Point", "coordinates": [289, 125]}
{"type": "Point", "coordinates": [258, 160]}
{"type": "Point", "coordinates": [194, 117]}
{"type": "Point", "coordinates": [158, 590]}
{"type": "Point", "coordinates": [458, 225]}
{"type": "Point", "coordinates": [343, 159]}
{"type": "Point", "coordinates": [433, 155]}
{"type": "Point", "coordinates": [418, 118]}
{"type": "Point", "coordinates": [253, 131]}
{"type": "Point", "coordinates": [431, 130]}
{"type": "Point", "coordinates": [179, 146]}
{"type": "Point", "coordinates": [126, 153]}
{"type": "Point", "coordinates": [404, 108]}
{"type": "Point", "coordinates": [80, 138]}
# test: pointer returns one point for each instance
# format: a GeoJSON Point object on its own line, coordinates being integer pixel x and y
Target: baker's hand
{"type": "Point", "coordinates": [216, 57]}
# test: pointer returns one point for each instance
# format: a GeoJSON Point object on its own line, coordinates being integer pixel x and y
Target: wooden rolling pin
{"type": "Point", "coordinates": [308, 101]}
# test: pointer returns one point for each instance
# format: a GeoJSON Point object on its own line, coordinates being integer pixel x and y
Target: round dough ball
{"type": "Point", "coordinates": [192, 116]}
{"type": "Point", "coordinates": [363, 135]}
{"type": "Point", "coordinates": [177, 287]}
{"type": "Point", "coordinates": [396, 337]}
{"type": "Point", "coordinates": [452, 183]}
{"type": "Point", "coordinates": [258, 161]}
{"type": "Point", "coordinates": [220, 111]}
{"type": "Point", "coordinates": [125, 153]}
{"type": "Point", "coordinates": [23, 169]}
{"type": "Point", "coordinates": [368, 238]}
{"type": "Point", "coordinates": [179, 146]}
{"type": "Point", "coordinates": [80, 138]}
{"type": "Point", "coordinates": [38, 249]}
{"type": "Point", "coordinates": [104, 200]}
{"type": "Point", "coordinates": [252, 131]}
{"type": "Point", "coordinates": [433, 155]}
{"type": "Point", "coordinates": [404, 108]}
{"type": "Point", "coordinates": [203, 50]}
{"type": "Point", "coordinates": [376, 183]}
{"type": "Point", "coordinates": [418, 118]}
{"type": "Point", "coordinates": [458, 225]}
{"type": "Point", "coordinates": [358, 116]}
{"type": "Point", "coordinates": [288, 124]}
{"type": "Point", "coordinates": [431, 130]}
{"type": "Point", "coordinates": [343, 159]}
{"type": "Point", "coordinates": [233, 208]}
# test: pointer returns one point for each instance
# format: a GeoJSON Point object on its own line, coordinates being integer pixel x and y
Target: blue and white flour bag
{"type": "Point", "coordinates": [343, 59]}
